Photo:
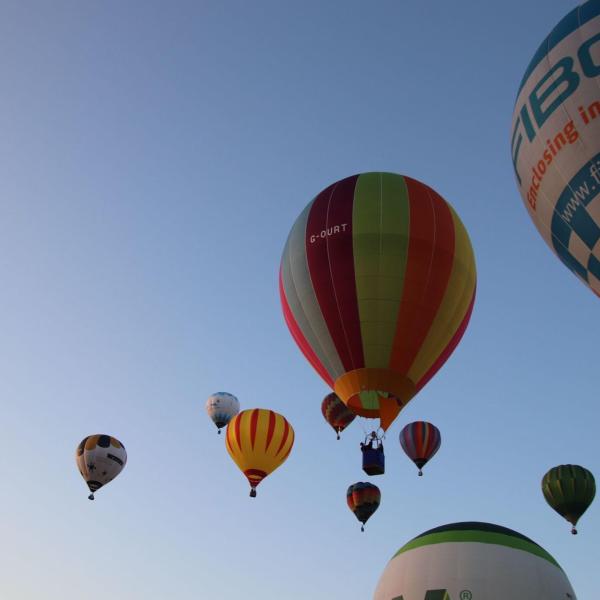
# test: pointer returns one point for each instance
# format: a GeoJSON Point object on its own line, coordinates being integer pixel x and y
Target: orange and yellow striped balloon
{"type": "Point", "coordinates": [259, 440]}
{"type": "Point", "coordinates": [377, 284]}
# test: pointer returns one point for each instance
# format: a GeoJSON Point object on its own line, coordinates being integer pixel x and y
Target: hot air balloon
{"type": "Point", "coordinates": [363, 500]}
{"type": "Point", "coordinates": [555, 141]}
{"type": "Point", "coordinates": [221, 408]}
{"type": "Point", "coordinates": [336, 413]}
{"type": "Point", "coordinates": [377, 284]}
{"type": "Point", "coordinates": [420, 441]}
{"type": "Point", "coordinates": [100, 458]}
{"type": "Point", "coordinates": [569, 490]}
{"type": "Point", "coordinates": [473, 561]}
{"type": "Point", "coordinates": [258, 440]}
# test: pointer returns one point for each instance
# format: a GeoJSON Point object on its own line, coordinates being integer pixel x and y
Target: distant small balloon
{"type": "Point", "coordinates": [100, 458]}
{"type": "Point", "coordinates": [420, 441]}
{"type": "Point", "coordinates": [363, 500]}
{"type": "Point", "coordinates": [569, 490]}
{"type": "Point", "coordinates": [221, 408]}
{"type": "Point", "coordinates": [336, 413]}
{"type": "Point", "coordinates": [259, 441]}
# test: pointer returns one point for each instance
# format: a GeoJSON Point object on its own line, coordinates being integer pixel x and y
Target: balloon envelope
{"type": "Point", "coordinates": [336, 413]}
{"type": "Point", "coordinates": [363, 500]}
{"type": "Point", "coordinates": [569, 490]}
{"type": "Point", "coordinates": [555, 141]}
{"type": "Point", "coordinates": [377, 284]}
{"type": "Point", "coordinates": [100, 458]}
{"type": "Point", "coordinates": [259, 441]}
{"type": "Point", "coordinates": [473, 561]}
{"type": "Point", "coordinates": [221, 408]}
{"type": "Point", "coordinates": [420, 441]}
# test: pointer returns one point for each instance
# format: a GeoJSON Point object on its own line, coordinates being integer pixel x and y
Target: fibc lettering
{"type": "Point", "coordinates": [327, 232]}
{"type": "Point", "coordinates": [544, 100]}
{"type": "Point", "coordinates": [431, 595]}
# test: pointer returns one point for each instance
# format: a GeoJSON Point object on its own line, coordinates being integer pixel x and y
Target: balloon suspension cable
{"type": "Point", "coordinates": [420, 473]}
{"type": "Point", "coordinates": [253, 492]}
{"type": "Point", "coordinates": [574, 531]}
{"type": "Point", "coordinates": [364, 422]}
{"type": "Point", "coordinates": [374, 439]}
{"type": "Point", "coordinates": [368, 423]}
{"type": "Point", "coordinates": [91, 496]}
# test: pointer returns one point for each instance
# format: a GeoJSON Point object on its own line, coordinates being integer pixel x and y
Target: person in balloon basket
{"type": "Point", "coordinates": [373, 456]}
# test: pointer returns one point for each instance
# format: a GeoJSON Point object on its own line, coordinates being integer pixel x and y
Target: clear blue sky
{"type": "Point", "coordinates": [153, 157]}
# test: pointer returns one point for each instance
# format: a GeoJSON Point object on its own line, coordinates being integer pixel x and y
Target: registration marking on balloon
{"type": "Point", "coordinates": [325, 233]}
{"type": "Point", "coordinates": [555, 141]}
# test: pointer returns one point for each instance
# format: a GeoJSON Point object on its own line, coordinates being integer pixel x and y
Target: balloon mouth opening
{"type": "Point", "coordinates": [376, 382]}
{"type": "Point", "coordinates": [375, 393]}
{"type": "Point", "coordinates": [368, 403]}
{"type": "Point", "coordinates": [254, 476]}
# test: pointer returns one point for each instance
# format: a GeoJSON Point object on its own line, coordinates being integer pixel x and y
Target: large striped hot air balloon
{"type": "Point", "coordinates": [420, 441]}
{"type": "Point", "coordinates": [377, 284]}
{"type": "Point", "coordinates": [569, 490]}
{"type": "Point", "coordinates": [555, 141]}
{"type": "Point", "coordinates": [258, 440]}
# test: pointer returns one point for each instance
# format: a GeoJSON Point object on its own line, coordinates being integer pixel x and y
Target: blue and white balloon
{"type": "Point", "coordinates": [221, 408]}
{"type": "Point", "coordinates": [555, 141]}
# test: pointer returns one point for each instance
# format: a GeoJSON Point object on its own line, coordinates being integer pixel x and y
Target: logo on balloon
{"type": "Point", "coordinates": [555, 141]}
{"type": "Point", "coordinates": [466, 595]}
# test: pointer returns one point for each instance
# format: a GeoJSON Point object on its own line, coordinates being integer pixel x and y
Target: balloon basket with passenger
{"type": "Point", "coordinates": [373, 458]}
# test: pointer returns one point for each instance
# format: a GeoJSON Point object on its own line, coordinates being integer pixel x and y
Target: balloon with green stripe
{"type": "Point", "coordinates": [377, 285]}
{"type": "Point", "coordinates": [473, 561]}
{"type": "Point", "coordinates": [569, 490]}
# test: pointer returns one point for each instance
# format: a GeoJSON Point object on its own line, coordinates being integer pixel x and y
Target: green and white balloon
{"type": "Point", "coordinates": [473, 561]}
